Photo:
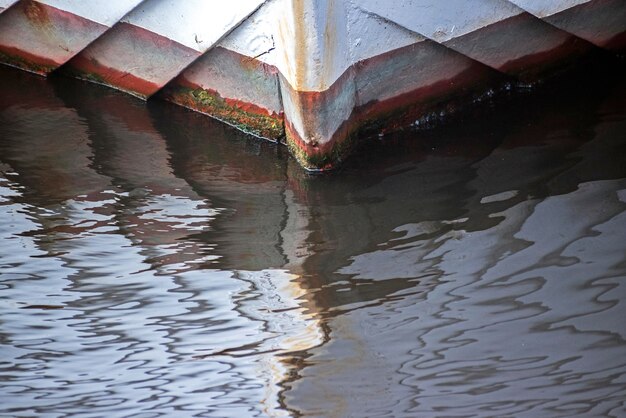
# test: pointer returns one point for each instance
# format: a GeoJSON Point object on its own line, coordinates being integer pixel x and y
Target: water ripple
{"type": "Point", "coordinates": [156, 263]}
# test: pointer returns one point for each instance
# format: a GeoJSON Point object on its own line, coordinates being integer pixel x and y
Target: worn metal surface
{"type": "Point", "coordinates": [154, 43]}
{"type": "Point", "coordinates": [496, 33]}
{"type": "Point", "coordinates": [313, 74]}
{"type": "Point", "coordinates": [41, 35]}
{"type": "Point", "coordinates": [4, 4]}
{"type": "Point", "coordinates": [233, 88]}
{"type": "Point", "coordinates": [601, 22]}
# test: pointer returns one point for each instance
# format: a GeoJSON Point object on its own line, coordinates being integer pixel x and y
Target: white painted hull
{"type": "Point", "coordinates": [5, 4]}
{"type": "Point", "coordinates": [314, 73]}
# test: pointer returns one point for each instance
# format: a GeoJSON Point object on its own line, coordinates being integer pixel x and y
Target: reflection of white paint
{"type": "Point", "coordinates": [105, 12]}
{"type": "Point", "coordinates": [289, 328]}
{"type": "Point", "coordinates": [295, 233]}
{"type": "Point", "coordinates": [317, 41]}
{"type": "Point", "coordinates": [499, 197]}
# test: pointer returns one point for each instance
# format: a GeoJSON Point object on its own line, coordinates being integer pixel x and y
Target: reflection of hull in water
{"type": "Point", "coordinates": [55, 161]}
{"type": "Point", "coordinates": [134, 207]}
{"type": "Point", "coordinates": [286, 331]}
{"type": "Point", "coordinates": [429, 273]}
{"type": "Point", "coordinates": [454, 298]}
{"type": "Point", "coordinates": [484, 312]}
{"type": "Point", "coordinates": [102, 147]}
{"type": "Point", "coordinates": [314, 74]}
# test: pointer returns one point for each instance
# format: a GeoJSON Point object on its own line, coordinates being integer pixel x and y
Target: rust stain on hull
{"type": "Point", "coordinates": [39, 38]}
{"type": "Point", "coordinates": [248, 117]}
{"type": "Point", "coordinates": [35, 12]}
{"type": "Point", "coordinates": [421, 96]}
{"type": "Point", "coordinates": [445, 95]}
{"type": "Point", "coordinates": [300, 57]}
{"type": "Point", "coordinates": [532, 48]}
{"type": "Point", "coordinates": [132, 59]}
{"type": "Point", "coordinates": [26, 61]}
